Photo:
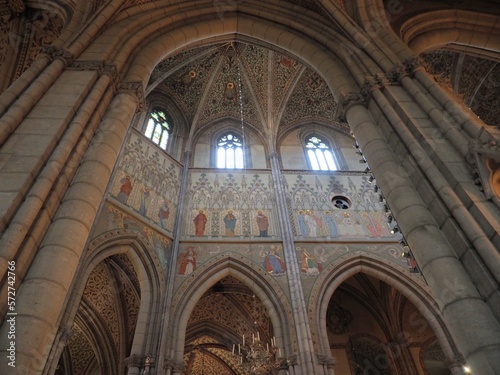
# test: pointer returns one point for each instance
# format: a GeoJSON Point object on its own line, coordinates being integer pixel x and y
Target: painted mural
{"type": "Point", "coordinates": [360, 213]}
{"type": "Point", "coordinates": [315, 258]}
{"type": "Point", "coordinates": [113, 218]}
{"type": "Point", "coordinates": [147, 180]}
{"type": "Point", "coordinates": [312, 258]}
{"type": "Point", "coordinates": [230, 205]}
{"type": "Point", "coordinates": [267, 257]}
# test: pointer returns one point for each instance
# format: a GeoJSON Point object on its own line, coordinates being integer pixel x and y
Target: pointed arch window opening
{"type": "Point", "coordinates": [158, 128]}
{"type": "Point", "coordinates": [230, 152]}
{"type": "Point", "coordinates": [320, 155]}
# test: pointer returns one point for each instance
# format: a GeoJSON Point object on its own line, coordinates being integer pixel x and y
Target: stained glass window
{"type": "Point", "coordinates": [158, 129]}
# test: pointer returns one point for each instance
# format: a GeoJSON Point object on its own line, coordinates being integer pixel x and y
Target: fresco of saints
{"type": "Point", "coordinates": [163, 214]}
{"type": "Point", "coordinates": [187, 261]}
{"type": "Point", "coordinates": [199, 223]}
{"type": "Point", "coordinates": [273, 263]}
{"type": "Point", "coordinates": [145, 198]}
{"type": "Point", "coordinates": [230, 223]}
{"type": "Point", "coordinates": [302, 223]}
{"type": "Point", "coordinates": [125, 189]}
{"type": "Point", "coordinates": [309, 265]}
{"type": "Point", "coordinates": [262, 224]}
{"type": "Point", "coordinates": [330, 220]}
{"type": "Point", "coordinates": [312, 224]}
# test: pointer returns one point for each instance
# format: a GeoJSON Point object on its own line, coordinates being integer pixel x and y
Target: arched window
{"type": "Point", "coordinates": [158, 129]}
{"type": "Point", "coordinates": [230, 152]}
{"type": "Point", "coordinates": [320, 154]}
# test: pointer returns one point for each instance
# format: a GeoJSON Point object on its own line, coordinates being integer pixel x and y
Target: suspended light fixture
{"type": "Point", "coordinates": [256, 356]}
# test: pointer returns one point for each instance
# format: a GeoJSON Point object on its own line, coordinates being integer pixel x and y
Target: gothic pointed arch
{"type": "Point", "coordinates": [415, 290]}
{"type": "Point", "coordinates": [179, 127]}
{"type": "Point", "coordinates": [248, 273]}
{"type": "Point", "coordinates": [121, 264]}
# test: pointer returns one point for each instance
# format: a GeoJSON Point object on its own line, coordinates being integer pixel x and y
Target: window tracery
{"type": "Point", "coordinates": [319, 154]}
{"type": "Point", "coordinates": [158, 128]}
{"type": "Point", "coordinates": [230, 152]}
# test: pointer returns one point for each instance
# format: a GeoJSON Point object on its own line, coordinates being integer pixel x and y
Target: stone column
{"type": "Point", "coordinates": [168, 365]}
{"type": "Point", "coordinates": [472, 324]}
{"type": "Point", "coordinates": [41, 298]}
{"type": "Point", "coordinates": [305, 345]}
{"type": "Point", "coordinates": [166, 329]}
{"type": "Point", "coordinates": [133, 364]}
{"type": "Point", "coordinates": [328, 363]}
{"type": "Point", "coordinates": [26, 229]}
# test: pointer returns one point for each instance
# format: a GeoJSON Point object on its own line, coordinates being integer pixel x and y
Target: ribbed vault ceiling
{"type": "Point", "coordinates": [267, 90]}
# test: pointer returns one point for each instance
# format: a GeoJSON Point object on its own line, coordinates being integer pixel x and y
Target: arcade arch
{"type": "Point", "coordinates": [362, 266]}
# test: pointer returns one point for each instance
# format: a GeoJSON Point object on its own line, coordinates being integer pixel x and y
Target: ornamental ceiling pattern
{"type": "Point", "coordinates": [232, 305]}
{"type": "Point", "coordinates": [206, 357]}
{"type": "Point", "coordinates": [111, 297]}
{"type": "Point", "coordinates": [476, 81]}
{"type": "Point", "coordinates": [233, 310]}
{"type": "Point", "coordinates": [242, 81]}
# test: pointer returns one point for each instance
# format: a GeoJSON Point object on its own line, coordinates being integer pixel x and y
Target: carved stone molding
{"type": "Point", "coordinates": [140, 361]}
{"type": "Point", "coordinates": [457, 361]}
{"type": "Point", "coordinates": [413, 64]}
{"type": "Point", "coordinates": [282, 364]}
{"type": "Point", "coordinates": [375, 82]}
{"type": "Point", "coordinates": [137, 90]}
{"type": "Point", "coordinates": [65, 334]}
{"type": "Point", "coordinates": [407, 68]}
{"type": "Point", "coordinates": [396, 73]}
{"type": "Point", "coordinates": [329, 362]}
{"type": "Point", "coordinates": [58, 54]}
{"type": "Point", "coordinates": [99, 66]}
{"type": "Point", "coordinates": [133, 361]}
{"type": "Point", "coordinates": [168, 364]}
{"type": "Point", "coordinates": [16, 6]}
{"type": "Point", "coordinates": [484, 159]}
{"type": "Point", "coordinates": [179, 367]}
{"type": "Point", "coordinates": [292, 360]}
{"type": "Point", "coordinates": [347, 100]}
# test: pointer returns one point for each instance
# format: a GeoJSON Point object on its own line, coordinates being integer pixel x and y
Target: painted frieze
{"type": "Point", "coordinates": [147, 181]}
{"type": "Point", "coordinates": [113, 219]}
{"type": "Point", "coordinates": [335, 207]}
{"type": "Point", "coordinates": [230, 205]}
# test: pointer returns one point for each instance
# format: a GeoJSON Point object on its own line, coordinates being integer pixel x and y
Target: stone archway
{"type": "Point", "coordinates": [409, 287]}
{"type": "Point", "coordinates": [113, 309]}
{"type": "Point", "coordinates": [105, 323]}
{"type": "Point", "coordinates": [248, 280]}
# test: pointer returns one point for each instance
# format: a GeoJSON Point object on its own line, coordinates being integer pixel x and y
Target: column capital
{"type": "Point", "coordinates": [413, 64]}
{"type": "Point", "coordinates": [65, 334]}
{"type": "Point", "coordinates": [324, 360]}
{"type": "Point", "coordinates": [292, 360]}
{"type": "Point", "coordinates": [375, 82]}
{"type": "Point", "coordinates": [98, 65]}
{"type": "Point", "coordinates": [347, 100]}
{"type": "Point", "coordinates": [136, 90]}
{"type": "Point", "coordinates": [407, 68]}
{"type": "Point", "coordinates": [56, 53]}
{"type": "Point", "coordinates": [133, 361]}
{"type": "Point", "coordinates": [168, 364]}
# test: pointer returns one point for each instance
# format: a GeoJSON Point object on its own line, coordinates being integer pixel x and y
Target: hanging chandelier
{"type": "Point", "coordinates": [257, 357]}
